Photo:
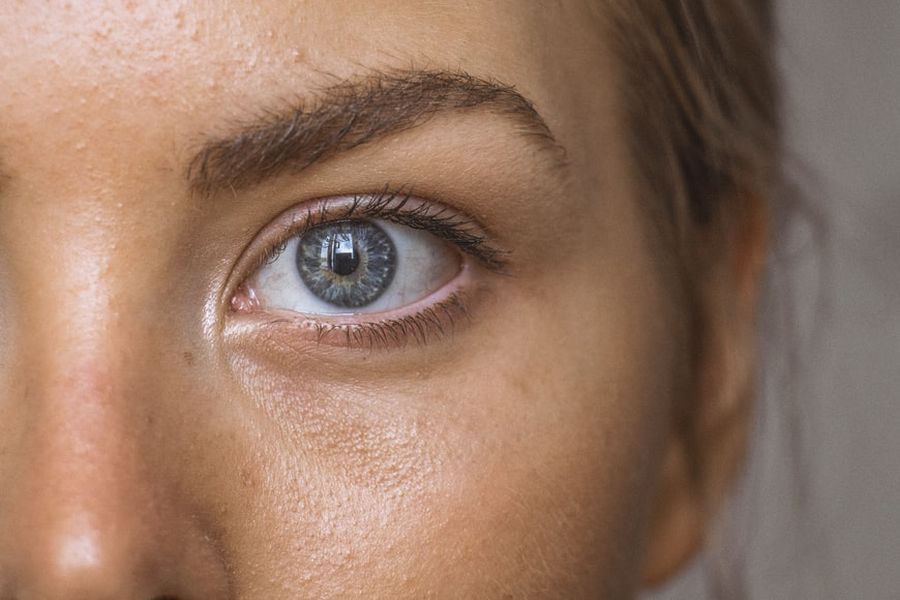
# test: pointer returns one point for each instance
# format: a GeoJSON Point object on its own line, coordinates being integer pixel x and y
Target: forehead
{"type": "Point", "coordinates": [183, 56]}
{"type": "Point", "coordinates": [106, 95]}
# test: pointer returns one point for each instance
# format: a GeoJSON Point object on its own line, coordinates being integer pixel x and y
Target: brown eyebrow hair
{"type": "Point", "coordinates": [350, 114]}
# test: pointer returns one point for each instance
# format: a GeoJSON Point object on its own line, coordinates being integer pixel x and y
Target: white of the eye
{"type": "Point", "coordinates": [424, 263]}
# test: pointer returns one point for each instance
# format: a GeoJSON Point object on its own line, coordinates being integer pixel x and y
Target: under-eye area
{"type": "Point", "coordinates": [369, 270]}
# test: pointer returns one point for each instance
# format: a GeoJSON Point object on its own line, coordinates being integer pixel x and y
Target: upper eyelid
{"type": "Point", "coordinates": [404, 209]}
{"type": "Point", "coordinates": [468, 234]}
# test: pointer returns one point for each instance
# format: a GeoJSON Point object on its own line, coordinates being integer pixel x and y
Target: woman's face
{"type": "Point", "coordinates": [413, 340]}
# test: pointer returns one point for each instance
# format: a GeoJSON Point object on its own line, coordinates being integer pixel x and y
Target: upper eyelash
{"type": "Point", "coordinates": [440, 221]}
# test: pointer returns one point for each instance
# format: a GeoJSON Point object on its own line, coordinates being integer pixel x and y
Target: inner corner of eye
{"type": "Point", "coordinates": [244, 299]}
{"type": "Point", "coordinates": [351, 266]}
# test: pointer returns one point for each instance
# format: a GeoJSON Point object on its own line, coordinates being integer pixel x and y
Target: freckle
{"type": "Point", "coordinates": [189, 358]}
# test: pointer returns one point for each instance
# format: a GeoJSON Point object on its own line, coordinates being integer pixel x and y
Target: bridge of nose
{"type": "Point", "coordinates": [91, 504]}
{"type": "Point", "coordinates": [93, 499]}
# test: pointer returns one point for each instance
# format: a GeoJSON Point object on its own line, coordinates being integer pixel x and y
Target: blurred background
{"type": "Point", "coordinates": [819, 516]}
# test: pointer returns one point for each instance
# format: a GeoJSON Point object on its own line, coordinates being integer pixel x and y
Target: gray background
{"type": "Point", "coordinates": [841, 66]}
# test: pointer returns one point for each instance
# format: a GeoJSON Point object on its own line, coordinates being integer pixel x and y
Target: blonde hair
{"type": "Point", "coordinates": [702, 108]}
{"type": "Point", "coordinates": [701, 98]}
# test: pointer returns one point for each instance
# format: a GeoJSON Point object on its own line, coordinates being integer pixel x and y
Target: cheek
{"type": "Point", "coordinates": [524, 466]}
{"type": "Point", "coordinates": [568, 436]}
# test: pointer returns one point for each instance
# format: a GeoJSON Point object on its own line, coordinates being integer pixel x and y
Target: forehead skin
{"type": "Point", "coordinates": [148, 451]}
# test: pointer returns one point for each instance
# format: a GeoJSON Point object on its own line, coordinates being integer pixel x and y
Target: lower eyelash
{"type": "Point", "coordinates": [431, 324]}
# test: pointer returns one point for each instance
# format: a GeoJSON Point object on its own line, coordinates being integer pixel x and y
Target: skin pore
{"type": "Point", "coordinates": [160, 439]}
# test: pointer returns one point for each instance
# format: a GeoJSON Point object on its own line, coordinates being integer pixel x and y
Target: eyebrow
{"type": "Point", "coordinates": [350, 114]}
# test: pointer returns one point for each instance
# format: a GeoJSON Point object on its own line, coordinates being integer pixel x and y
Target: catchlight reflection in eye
{"type": "Point", "coordinates": [354, 266]}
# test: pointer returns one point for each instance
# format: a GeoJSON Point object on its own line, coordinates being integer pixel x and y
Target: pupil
{"type": "Point", "coordinates": [343, 257]}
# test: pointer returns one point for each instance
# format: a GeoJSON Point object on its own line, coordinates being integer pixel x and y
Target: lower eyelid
{"type": "Point", "coordinates": [296, 333]}
{"type": "Point", "coordinates": [438, 316]}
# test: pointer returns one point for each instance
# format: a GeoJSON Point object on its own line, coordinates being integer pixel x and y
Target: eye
{"type": "Point", "coordinates": [366, 271]}
{"type": "Point", "coordinates": [352, 266]}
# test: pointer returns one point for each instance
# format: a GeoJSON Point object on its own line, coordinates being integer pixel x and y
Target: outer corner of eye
{"type": "Point", "coordinates": [350, 266]}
